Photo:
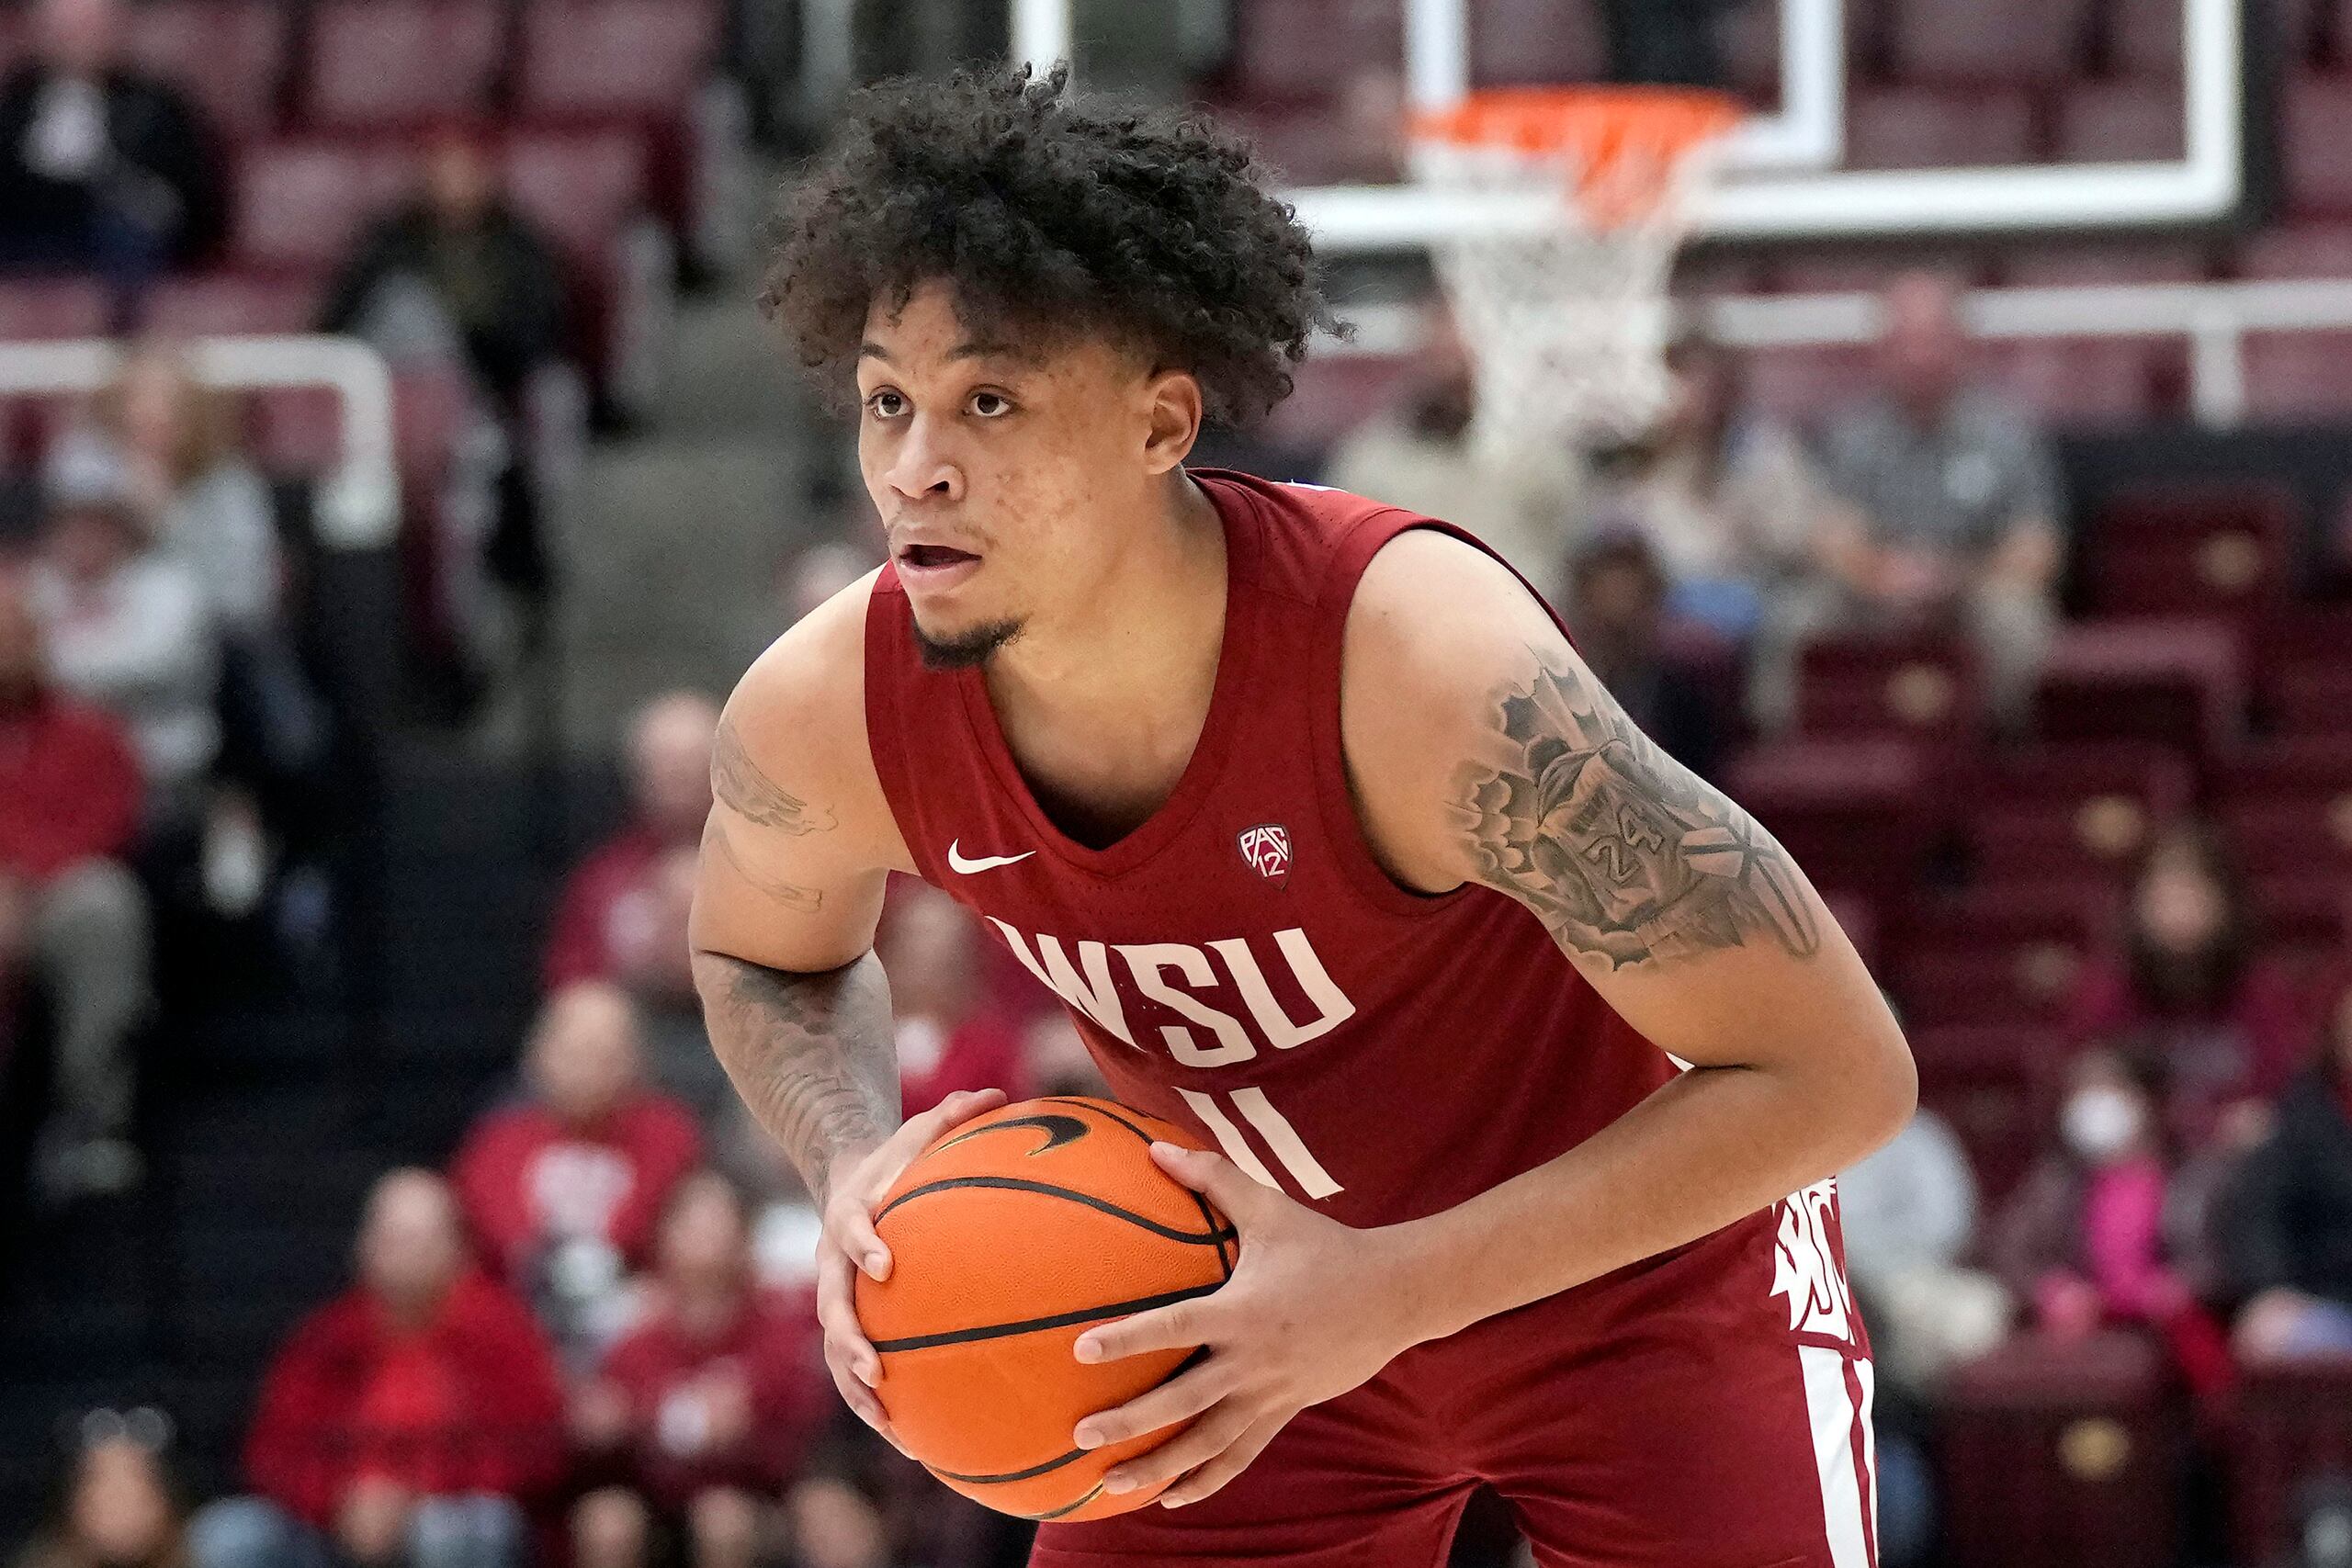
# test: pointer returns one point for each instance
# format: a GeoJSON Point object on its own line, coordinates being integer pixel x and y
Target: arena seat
{"type": "Point", "coordinates": [2286, 809]}
{"type": "Point", "coordinates": [2063, 1453]}
{"type": "Point", "coordinates": [1933, 127]}
{"type": "Point", "coordinates": [2198, 547]}
{"type": "Point", "coordinates": [1987, 42]}
{"type": "Point", "coordinates": [2301, 682]}
{"type": "Point", "coordinates": [1992, 1084]}
{"type": "Point", "coordinates": [1333, 394]}
{"type": "Point", "coordinates": [581, 186]}
{"type": "Point", "coordinates": [1804, 383]}
{"type": "Point", "coordinates": [2080, 811]}
{"type": "Point", "coordinates": [2316, 116]}
{"type": "Point", "coordinates": [230, 303]}
{"type": "Point", "coordinates": [228, 56]}
{"type": "Point", "coordinates": [2023, 918]}
{"type": "Point", "coordinates": [45, 310]}
{"type": "Point", "coordinates": [1987, 987]}
{"type": "Point", "coordinates": [383, 63]}
{"type": "Point", "coordinates": [1539, 41]}
{"type": "Point", "coordinates": [2175, 678]}
{"type": "Point", "coordinates": [2297, 250]}
{"type": "Point", "coordinates": [1850, 810]}
{"type": "Point", "coordinates": [1296, 48]}
{"type": "Point", "coordinates": [2287, 1426]}
{"type": "Point", "coordinates": [2298, 377]}
{"type": "Point", "coordinates": [592, 58]}
{"type": "Point", "coordinates": [295, 433]}
{"type": "Point", "coordinates": [2077, 265]}
{"type": "Point", "coordinates": [2118, 122]}
{"type": "Point", "coordinates": [301, 202]}
{"type": "Point", "coordinates": [1922, 687]}
{"type": "Point", "coordinates": [2082, 384]}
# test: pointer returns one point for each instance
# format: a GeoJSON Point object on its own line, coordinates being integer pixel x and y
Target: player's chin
{"type": "Point", "coordinates": [951, 640]}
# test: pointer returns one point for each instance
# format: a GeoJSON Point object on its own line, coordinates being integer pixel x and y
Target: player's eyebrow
{"type": "Point", "coordinates": [978, 349]}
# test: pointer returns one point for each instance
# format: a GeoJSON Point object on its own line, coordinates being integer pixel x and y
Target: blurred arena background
{"type": "Point", "coordinates": [393, 468]}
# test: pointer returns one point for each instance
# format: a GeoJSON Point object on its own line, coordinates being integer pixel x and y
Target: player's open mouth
{"type": "Point", "coordinates": [935, 563]}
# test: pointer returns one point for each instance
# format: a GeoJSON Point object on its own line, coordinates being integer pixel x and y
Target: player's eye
{"type": "Point", "coordinates": [991, 405]}
{"type": "Point", "coordinates": [886, 403]}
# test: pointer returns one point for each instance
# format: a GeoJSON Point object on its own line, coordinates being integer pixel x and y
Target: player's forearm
{"type": "Point", "coordinates": [1711, 1148]}
{"type": "Point", "coordinates": [812, 1055]}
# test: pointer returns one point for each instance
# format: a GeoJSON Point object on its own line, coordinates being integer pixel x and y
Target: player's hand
{"type": "Point", "coordinates": [1311, 1312]}
{"type": "Point", "coordinates": [848, 1243]}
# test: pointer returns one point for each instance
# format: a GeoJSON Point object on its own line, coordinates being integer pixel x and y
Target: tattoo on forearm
{"type": "Point", "coordinates": [812, 1055]}
{"type": "Point", "coordinates": [739, 784]}
{"type": "Point", "coordinates": [1624, 854]}
{"type": "Point", "coordinates": [808, 900]}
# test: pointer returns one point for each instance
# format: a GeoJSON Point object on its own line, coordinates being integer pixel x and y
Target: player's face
{"type": "Point", "coordinates": [996, 468]}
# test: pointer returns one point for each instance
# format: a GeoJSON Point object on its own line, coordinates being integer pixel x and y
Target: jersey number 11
{"type": "Point", "coordinates": [1280, 1137]}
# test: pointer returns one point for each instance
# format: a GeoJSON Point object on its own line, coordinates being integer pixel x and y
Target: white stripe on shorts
{"type": "Point", "coordinates": [1831, 1411]}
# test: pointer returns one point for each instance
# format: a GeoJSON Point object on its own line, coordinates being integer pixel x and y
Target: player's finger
{"type": "Point", "coordinates": [1189, 1450]}
{"type": "Point", "coordinates": [1218, 1179]}
{"type": "Point", "coordinates": [1171, 1402]}
{"type": "Point", "coordinates": [961, 1106]}
{"type": "Point", "coordinates": [852, 1224]}
{"type": "Point", "coordinates": [1180, 1325]}
{"type": "Point", "coordinates": [1212, 1476]}
{"type": "Point", "coordinates": [868, 1408]}
{"type": "Point", "coordinates": [837, 1315]}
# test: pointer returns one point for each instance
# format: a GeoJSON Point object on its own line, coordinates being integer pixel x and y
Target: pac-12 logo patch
{"type": "Point", "coordinates": [1267, 849]}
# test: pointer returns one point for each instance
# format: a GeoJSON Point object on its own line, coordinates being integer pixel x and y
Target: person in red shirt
{"type": "Point", "coordinates": [950, 1035]}
{"type": "Point", "coordinates": [562, 1189]}
{"type": "Point", "coordinates": [412, 1420]}
{"type": "Point", "coordinates": [703, 1413]}
{"type": "Point", "coordinates": [72, 918]}
{"type": "Point", "coordinates": [605, 925]}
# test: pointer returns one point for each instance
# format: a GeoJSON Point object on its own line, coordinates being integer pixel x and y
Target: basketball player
{"type": "Point", "coordinates": [1530, 1056]}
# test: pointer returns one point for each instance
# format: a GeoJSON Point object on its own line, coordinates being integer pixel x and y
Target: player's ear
{"type": "Point", "coordinates": [1174, 399]}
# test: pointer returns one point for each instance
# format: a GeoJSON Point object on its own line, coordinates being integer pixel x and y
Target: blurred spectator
{"type": "Point", "coordinates": [1909, 1217]}
{"type": "Point", "coordinates": [1955, 504]}
{"type": "Point", "coordinates": [129, 630]}
{"type": "Point", "coordinates": [562, 1188]}
{"type": "Point", "coordinates": [2290, 1242]}
{"type": "Point", "coordinates": [949, 1038]}
{"type": "Point", "coordinates": [458, 276]}
{"type": "Point", "coordinates": [118, 1507]}
{"type": "Point", "coordinates": [604, 926]}
{"type": "Point", "coordinates": [411, 1421]}
{"type": "Point", "coordinates": [1616, 607]}
{"type": "Point", "coordinates": [2094, 1238]}
{"type": "Point", "coordinates": [1726, 495]}
{"type": "Point", "coordinates": [1418, 455]}
{"type": "Point", "coordinates": [102, 169]}
{"type": "Point", "coordinates": [838, 1513]}
{"type": "Point", "coordinates": [2187, 981]}
{"type": "Point", "coordinates": [708, 1407]}
{"type": "Point", "coordinates": [72, 918]}
{"type": "Point", "coordinates": [168, 444]}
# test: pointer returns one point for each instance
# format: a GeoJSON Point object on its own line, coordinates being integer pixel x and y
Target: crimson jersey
{"type": "Point", "coordinates": [1240, 963]}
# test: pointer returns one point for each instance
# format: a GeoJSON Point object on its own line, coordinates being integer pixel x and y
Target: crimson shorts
{"type": "Point", "coordinates": [1707, 1409]}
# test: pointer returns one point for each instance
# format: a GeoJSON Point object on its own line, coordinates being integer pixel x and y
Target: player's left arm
{"type": "Point", "coordinates": [1481, 750]}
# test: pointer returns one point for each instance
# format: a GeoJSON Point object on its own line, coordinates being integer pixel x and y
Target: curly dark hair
{"type": "Point", "coordinates": [1053, 217]}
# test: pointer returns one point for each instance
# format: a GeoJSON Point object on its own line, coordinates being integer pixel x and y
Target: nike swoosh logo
{"type": "Point", "coordinates": [956, 862]}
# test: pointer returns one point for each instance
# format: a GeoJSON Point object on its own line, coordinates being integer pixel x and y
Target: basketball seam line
{"type": "Point", "coordinates": [1208, 1215]}
{"type": "Point", "coordinates": [1093, 1492]}
{"type": "Point", "coordinates": [1210, 1237]}
{"type": "Point", "coordinates": [1059, 1320]}
{"type": "Point", "coordinates": [1030, 1473]}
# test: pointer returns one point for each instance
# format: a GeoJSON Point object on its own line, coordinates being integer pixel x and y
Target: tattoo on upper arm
{"type": "Point", "coordinates": [812, 1055]}
{"type": "Point", "coordinates": [808, 900]}
{"type": "Point", "coordinates": [738, 783]}
{"type": "Point", "coordinates": [1624, 854]}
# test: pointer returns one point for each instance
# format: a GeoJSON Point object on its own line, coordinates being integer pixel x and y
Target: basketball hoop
{"type": "Point", "coordinates": [1565, 314]}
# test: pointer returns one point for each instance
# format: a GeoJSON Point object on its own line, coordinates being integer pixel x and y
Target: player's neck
{"type": "Point", "coordinates": [1145, 640]}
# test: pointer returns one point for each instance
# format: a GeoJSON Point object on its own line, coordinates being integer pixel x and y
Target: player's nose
{"type": "Point", "coordinates": [921, 469]}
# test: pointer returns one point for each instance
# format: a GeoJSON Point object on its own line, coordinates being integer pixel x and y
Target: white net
{"type": "Point", "coordinates": [1567, 322]}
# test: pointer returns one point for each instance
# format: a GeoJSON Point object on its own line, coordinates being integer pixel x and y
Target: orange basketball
{"type": "Point", "coordinates": [1010, 1236]}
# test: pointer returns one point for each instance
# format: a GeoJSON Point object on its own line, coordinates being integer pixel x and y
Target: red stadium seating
{"type": "Point", "coordinates": [2302, 678]}
{"type": "Point", "coordinates": [1992, 1083]}
{"type": "Point", "coordinates": [1849, 810]}
{"type": "Point", "coordinates": [2063, 1454]}
{"type": "Point", "coordinates": [229, 303]}
{"type": "Point", "coordinates": [2316, 127]}
{"type": "Point", "coordinates": [2079, 812]}
{"type": "Point", "coordinates": [302, 203]}
{"type": "Point", "coordinates": [2187, 549]}
{"type": "Point", "coordinates": [1987, 41]}
{"type": "Point", "coordinates": [379, 62]}
{"type": "Point", "coordinates": [1539, 41]}
{"type": "Point", "coordinates": [1925, 688]}
{"type": "Point", "coordinates": [1986, 987]}
{"type": "Point", "coordinates": [2286, 809]}
{"type": "Point", "coordinates": [1802, 384]}
{"type": "Point", "coordinates": [2303, 250]}
{"type": "Point", "coordinates": [45, 310]}
{"type": "Point", "coordinates": [600, 58]}
{"type": "Point", "coordinates": [229, 55]}
{"type": "Point", "coordinates": [12, 39]}
{"type": "Point", "coordinates": [2288, 1426]}
{"type": "Point", "coordinates": [2088, 383]}
{"type": "Point", "coordinates": [296, 432]}
{"type": "Point", "coordinates": [2140, 260]}
{"type": "Point", "coordinates": [2120, 122]}
{"type": "Point", "coordinates": [1334, 393]}
{"type": "Point", "coordinates": [581, 186]}
{"type": "Point", "coordinates": [2298, 377]}
{"type": "Point", "coordinates": [1297, 49]}
{"type": "Point", "coordinates": [1933, 127]}
{"type": "Point", "coordinates": [2162, 681]}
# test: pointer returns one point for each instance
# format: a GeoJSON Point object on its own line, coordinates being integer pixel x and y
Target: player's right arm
{"type": "Point", "coordinates": [799, 844]}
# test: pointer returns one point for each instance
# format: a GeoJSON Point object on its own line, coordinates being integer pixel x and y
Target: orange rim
{"type": "Point", "coordinates": [1619, 143]}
